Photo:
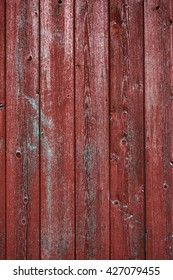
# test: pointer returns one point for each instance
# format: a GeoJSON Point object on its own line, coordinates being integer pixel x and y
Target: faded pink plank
{"type": "Point", "coordinates": [57, 130]}
{"type": "Point", "coordinates": [127, 130]}
{"type": "Point", "coordinates": [2, 130]}
{"type": "Point", "coordinates": [159, 129]}
{"type": "Point", "coordinates": [92, 129]}
{"type": "Point", "coordinates": [22, 126]}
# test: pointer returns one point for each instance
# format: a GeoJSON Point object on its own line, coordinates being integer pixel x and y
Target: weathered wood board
{"type": "Point", "coordinates": [22, 129]}
{"type": "Point", "coordinates": [92, 129]}
{"type": "Point", "coordinates": [57, 129]}
{"type": "Point", "coordinates": [127, 130]}
{"type": "Point", "coordinates": [159, 129]}
{"type": "Point", "coordinates": [2, 133]}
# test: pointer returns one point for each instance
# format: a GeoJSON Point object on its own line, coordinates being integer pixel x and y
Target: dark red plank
{"type": "Point", "coordinates": [159, 129]}
{"type": "Point", "coordinates": [57, 130]}
{"type": "Point", "coordinates": [22, 126]}
{"type": "Point", "coordinates": [127, 130]}
{"type": "Point", "coordinates": [2, 130]}
{"type": "Point", "coordinates": [92, 130]}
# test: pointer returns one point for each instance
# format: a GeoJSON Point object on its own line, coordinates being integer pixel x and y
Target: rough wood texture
{"type": "Point", "coordinates": [92, 141]}
{"type": "Point", "coordinates": [22, 125]}
{"type": "Point", "coordinates": [127, 130]}
{"type": "Point", "coordinates": [57, 130]}
{"type": "Point", "coordinates": [159, 130]}
{"type": "Point", "coordinates": [2, 130]}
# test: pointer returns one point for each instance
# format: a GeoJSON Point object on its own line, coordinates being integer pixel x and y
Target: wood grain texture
{"type": "Point", "coordinates": [57, 130]}
{"type": "Point", "coordinates": [92, 129]}
{"type": "Point", "coordinates": [2, 131]}
{"type": "Point", "coordinates": [127, 130]}
{"type": "Point", "coordinates": [22, 125]}
{"type": "Point", "coordinates": [159, 130]}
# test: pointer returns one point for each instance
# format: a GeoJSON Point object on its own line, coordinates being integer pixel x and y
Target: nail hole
{"type": "Point", "coordinates": [18, 154]}
{"type": "Point", "coordinates": [171, 163]}
{"type": "Point", "coordinates": [30, 58]}
{"type": "Point", "coordinates": [25, 199]}
{"type": "Point", "coordinates": [165, 186]}
{"type": "Point", "coordinates": [116, 202]}
{"type": "Point", "coordinates": [23, 221]}
{"type": "Point", "coordinates": [124, 141]}
{"type": "Point", "coordinates": [125, 113]}
{"type": "Point", "coordinates": [60, 2]}
{"type": "Point", "coordinates": [2, 106]}
{"type": "Point", "coordinates": [157, 7]}
{"type": "Point", "coordinates": [36, 13]}
{"type": "Point", "coordinates": [170, 21]}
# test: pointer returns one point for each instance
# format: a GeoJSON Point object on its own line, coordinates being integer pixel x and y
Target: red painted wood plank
{"type": "Point", "coordinates": [22, 129]}
{"type": "Point", "coordinates": [57, 125]}
{"type": "Point", "coordinates": [92, 130]}
{"type": "Point", "coordinates": [2, 130]}
{"type": "Point", "coordinates": [127, 130]}
{"type": "Point", "coordinates": [159, 130]}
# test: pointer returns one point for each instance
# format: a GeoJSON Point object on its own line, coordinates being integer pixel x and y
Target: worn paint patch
{"type": "Point", "coordinates": [45, 120]}
{"type": "Point", "coordinates": [88, 161]}
{"type": "Point", "coordinates": [32, 147]}
{"type": "Point", "coordinates": [64, 239]}
{"type": "Point", "coordinates": [36, 129]}
{"type": "Point", "coordinates": [90, 197]}
{"type": "Point", "coordinates": [48, 152]}
{"type": "Point", "coordinates": [48, 238]}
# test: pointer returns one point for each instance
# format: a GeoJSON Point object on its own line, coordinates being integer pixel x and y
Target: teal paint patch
{"type": "Point", "coordinates": [31, 147]}
{"type": "Point", "coordinates": [36, 129]}
{"type": "Point", "coordinates": [44, 120]}
{"type": "Point", "coordinates": [47, 150]}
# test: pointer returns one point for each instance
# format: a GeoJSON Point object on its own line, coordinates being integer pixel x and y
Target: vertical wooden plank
{"type": "Point", "coordinates": [159, 130]}
{"type": "Point", "coordinates": [57, 130]}
{"type": "Point", "coordinates": [92, 130]}
{"type": "Point", "coordinates": [22, 86]}
{"type": "Point", "coordinates": [127, 130]}
{"type": "Point", "coordinates": [2, 130]}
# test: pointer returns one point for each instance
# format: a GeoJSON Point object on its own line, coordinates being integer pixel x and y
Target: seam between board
{"type": "Point", "coordinates": [144, 136]}
{"type": "Point", "coordinates": [5, 121]}
{"type": "Point", "coordinates": [109, 127]}
{"type": "Point", "coordinates": [39, 120]}
{"type": "Point", "coordinates": [74, 74]}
